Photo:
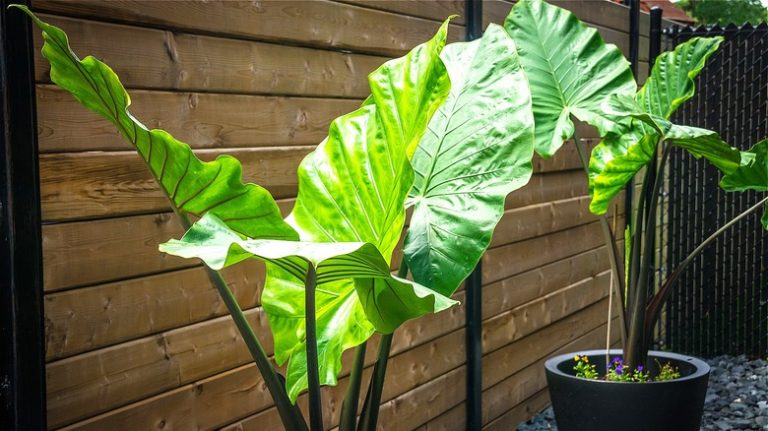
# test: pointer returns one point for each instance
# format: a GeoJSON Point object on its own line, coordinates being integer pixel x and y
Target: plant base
{"type": "Point", "coordinates": [598, 405]}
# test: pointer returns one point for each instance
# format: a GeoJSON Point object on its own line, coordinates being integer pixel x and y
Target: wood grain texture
{"type": "Point", "coordinates": [201, 120]}
{"type": "Point", "coordinates": [410, 372]}
{"type": "Point", "coordinates": [416, 407]}
{"type": "Point", "coordinates": [86, 319]}
{"type": "Point", "coordinates": [100, 184]}
{"type": "Point", "coordinates": [312, 23]}
{"type": "Point", "coordinates": [116, 183]}
{"type": "Point", "coordinates": [98, 251]}
{"type": "Point", "coordinates": [505, 261]}
{"type": "Point", "coordinates": [437, 10]}
{"type": "Point", "coordinates": [185, 62]}
{"type": "Point", "coordinates": [513, 390]}
{"type": "Point", "coordinates": [86, 253]}
{"type": "Point", "coordinates": [77, 387]}
{"type": "Point", "coordinates": [528, 408]}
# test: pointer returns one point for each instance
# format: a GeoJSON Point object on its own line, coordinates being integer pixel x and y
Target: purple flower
{"type": "Point", "coordinates": [620, 370]}
{"type": "Point", "coordinates": [616, 360]}
{"type": "Point", "coordinates": [639, 368]}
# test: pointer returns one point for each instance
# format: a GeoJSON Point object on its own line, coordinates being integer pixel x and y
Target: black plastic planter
{"type": "Point", "coordinates": [597, 405]}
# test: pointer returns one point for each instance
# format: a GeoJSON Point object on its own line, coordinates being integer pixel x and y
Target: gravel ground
{"type": "Point", "coordinates": [737, 398]}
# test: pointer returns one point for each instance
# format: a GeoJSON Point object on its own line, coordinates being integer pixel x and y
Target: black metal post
{"type": "Point", "coordinates": [634, 44]}
{"type": "Point", "coordinates": [22, 356]}
{"type": "Point", "coordinates": [474, 283]}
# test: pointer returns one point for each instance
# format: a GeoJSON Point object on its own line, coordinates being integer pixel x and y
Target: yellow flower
{"type": "Point", "coordinates": [576, 358]}
{"type": "Point", "coordinates": [585, 359]}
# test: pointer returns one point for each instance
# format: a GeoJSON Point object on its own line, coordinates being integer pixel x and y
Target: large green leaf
{"type": "Point", "coordinates": [195, 187]}
{"type": "Point", "coordinates": [752, 174]}
{"type": "Point", "coordinates": [218, 246]}
{"type": "Point", "coordinates": [570, 69]}
{"type": "Point", "coordinates": [477, 150]}
{"type": "Point", "coordinates": [620, 156]}
{"type": "Point", "coordinates": [671, 82]}
{"type": "Point", "coordinates": [352, 188]}
{"type": "Point", "coordinates": [212, 241]}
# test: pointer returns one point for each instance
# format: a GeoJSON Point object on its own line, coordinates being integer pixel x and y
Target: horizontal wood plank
{"type": "Point", "coordinates": [437, 10]}
{"type": "Point", "coordinates": [431, 362]}
{"type": "Point", "coordinates": [180, 61]}
{"type": "Point", "coordinates": [76, 321]}
{"type": "Point", "coordinates": [528, 408]}
{"type": "Point", "coordinates": [515, 389]}
{"type": "Point", "coordinates": [88, 252]}
{"type": "Point", "coordinates": [324, 24]}
{"type": "Point", "coordinates": [95, 317]}
{"type": "Point", "coordinates": [97, 251]}
{"type": "Point", "coordinates": [77, 386]}
{"type": "Point", "coordinates": [202, 120]}
{"type": "Point", "coordinates": [505, 261]}
{"type": "Point", "coordinates": [535, 220]}
{"type": "Point", "coordinates": [99, 184]}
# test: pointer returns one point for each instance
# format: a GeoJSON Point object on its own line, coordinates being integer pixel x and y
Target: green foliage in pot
{"type": "Point", "coordinates": [572, 72]}
{"type": "Point", "coordinates": [445, 130]}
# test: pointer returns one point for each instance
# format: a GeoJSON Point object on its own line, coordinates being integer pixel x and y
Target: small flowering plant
{"type": "Point", "coordinates": [583, 368]}
{"type": "Point", "coordinates": [618, 371]}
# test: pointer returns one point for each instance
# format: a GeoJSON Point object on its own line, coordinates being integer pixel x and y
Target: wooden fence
{"type": "Point", "coordinates": [138, 340]}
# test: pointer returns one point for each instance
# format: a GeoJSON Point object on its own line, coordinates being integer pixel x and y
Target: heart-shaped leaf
{"type": "Point", "coordinates": [570, 69]}
{"type": "Point", "coordinates": [352, 188]}
{"type": "Point", "coordinates": [477, 150]}
{"type": "Point", "coordinates": [193, 186]}
{"type": "Point", "coordinates": [620, 156]}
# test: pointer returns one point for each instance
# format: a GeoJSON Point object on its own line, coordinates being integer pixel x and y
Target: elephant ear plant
{"type": "Point", "coordinates": [572, 72]}
{"type": "Point", "coordinates": [446, 130]}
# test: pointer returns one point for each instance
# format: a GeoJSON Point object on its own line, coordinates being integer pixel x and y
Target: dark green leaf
{"type": "Point", "coordinates": [570, 69]}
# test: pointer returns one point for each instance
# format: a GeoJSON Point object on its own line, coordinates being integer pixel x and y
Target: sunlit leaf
{"type": "Point", "coordinates": [352, 188]}
{"type": "Point", "coordinates": [477, 150]}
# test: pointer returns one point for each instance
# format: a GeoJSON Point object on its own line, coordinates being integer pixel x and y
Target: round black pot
{"type": "Point", "coordinates": [598, 405]}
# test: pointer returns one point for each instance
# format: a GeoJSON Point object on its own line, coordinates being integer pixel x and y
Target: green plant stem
{"type": "Point", "coordinates": [653, 310]}
{"type": "Point", "coordinates": [370, 414]}
{"type": "Point", "coordinates": [636, 351]}
{"type": "Point", "coordinates": [610, 245]}
{"type": "Point", "coordinates": [349, 406]}
{"type": "Point", "coordinates": [313, 374]}
{"type": "Point", "coordinates": [289, 413]}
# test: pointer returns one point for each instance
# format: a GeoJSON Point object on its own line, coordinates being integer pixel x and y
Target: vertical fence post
{"type": "Point", "coordinates": [474, 283]}
{"type": "Point", "coordinates": [634, 44]}
{"type": "Point", "coordinates": [22, 361]}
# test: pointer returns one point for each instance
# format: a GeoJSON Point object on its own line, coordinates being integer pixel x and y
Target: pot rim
{"type": "Point", "coordinates": [702, 368]}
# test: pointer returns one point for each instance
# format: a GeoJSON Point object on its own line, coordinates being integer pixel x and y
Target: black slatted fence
{"type": "Point", "coordinates": [721, 303]}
